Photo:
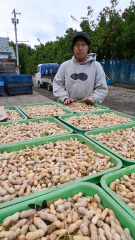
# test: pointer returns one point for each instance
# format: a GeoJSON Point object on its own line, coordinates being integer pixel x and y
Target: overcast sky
{"type": "Point", "coordinates": [46, 19]}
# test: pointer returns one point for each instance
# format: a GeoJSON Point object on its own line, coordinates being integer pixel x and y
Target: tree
{"type": "Point", "coordinates": [128, 33]}
{"type": "Point", "coordinates": [112, 37]}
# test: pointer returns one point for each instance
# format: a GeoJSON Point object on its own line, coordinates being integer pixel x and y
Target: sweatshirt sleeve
{"type": "Point", "coordinates": [100, 85]}
{"type": "Point", "coordinates": [59, 89]}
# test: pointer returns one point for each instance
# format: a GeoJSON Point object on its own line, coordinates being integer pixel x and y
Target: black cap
{"type": "Point", "coordinates": [83, 35]}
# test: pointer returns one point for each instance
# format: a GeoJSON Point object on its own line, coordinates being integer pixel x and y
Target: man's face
{"type": "Point", "coordinates": [80, 50]}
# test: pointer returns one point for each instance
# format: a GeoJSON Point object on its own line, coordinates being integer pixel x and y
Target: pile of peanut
{"type": "Point", "coordinates": [12, 115]}
{"type": "Point", "coordinates": [81, 107]}
{"type": "Point", "coordinates": [43, 110]}
{"type": "Point", "coordinates": [125, 189]}
{"type": "Point", "coordinates": [76, 218]}
{"type": "Point", "coordinates": [25, 131]}
{"type": "Point", "coordinates": [121, 141]}
{"type": "Point", "coordinates": [37, 168]}
{"type": "Point", "coordinates": [89, 120]}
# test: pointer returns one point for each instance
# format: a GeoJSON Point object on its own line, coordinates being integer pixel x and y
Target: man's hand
{"type": "Point", "coordinates": [87, 100]}
{"type": "Point", "coordinates": [68, 101]}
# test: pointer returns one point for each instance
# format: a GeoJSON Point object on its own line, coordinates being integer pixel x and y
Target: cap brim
{"type": "Point", "coordinates": [87, 39]}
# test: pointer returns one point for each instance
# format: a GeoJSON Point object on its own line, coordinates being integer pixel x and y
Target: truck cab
{"type": "Point", "coordinates": [45, 74]}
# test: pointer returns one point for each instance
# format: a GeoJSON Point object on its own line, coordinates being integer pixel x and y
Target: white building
{"type": "Point", "coordinates": [7, 57]}
{"type": "Point", "coordinates": [6, 52]}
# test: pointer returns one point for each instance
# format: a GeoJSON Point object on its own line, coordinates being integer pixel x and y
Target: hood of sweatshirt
{"type": "Point", "coordinates": [90, 57]}
{"type": "Point", "coordinates": [80, 80]}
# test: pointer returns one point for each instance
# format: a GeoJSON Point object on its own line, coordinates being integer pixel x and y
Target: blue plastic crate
{"type": "Point", "coordinates": [109, 82]}
{"type": "Point", "coordinates": [1, 82]}
{"type": "Point", "coordinates": [19, 90]}
{"type": "Point", "coordinates": [17, 79]}
{"type": "Point", "coordinates": [17, 84]}
{"type": "Point", "coordinates": [2, 93]}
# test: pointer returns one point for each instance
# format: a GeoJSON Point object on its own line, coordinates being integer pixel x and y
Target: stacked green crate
{"type": "Point", "coordinates": [94, 105]}
{"type": "Point", "coordinates": [95, 178]}
{"type": "Point", "coordinates": [67, 111]}
{"type": "Point", "coordinates": [83, 131]}
{"type": "Point", "coordinates": [22, 115]}
{"type": "Point", "coordinates": [88, 189]}
{"type": "Point", "coordinates": [49, 119]}
{"type": "Point", "coordinates": [125, 161]}
{"type": "Point", "coordinates": [109, 178]}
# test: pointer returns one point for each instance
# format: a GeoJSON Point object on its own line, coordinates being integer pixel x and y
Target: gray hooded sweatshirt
{"type": "Point", "coordinates": [80, 80]}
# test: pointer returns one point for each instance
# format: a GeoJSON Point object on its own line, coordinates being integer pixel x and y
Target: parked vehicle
{"type": "Point", "coordinates": [45, 74]}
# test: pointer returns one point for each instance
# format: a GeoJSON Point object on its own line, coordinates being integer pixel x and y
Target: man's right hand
{"type": "Point", "coordinates": [68, 101]}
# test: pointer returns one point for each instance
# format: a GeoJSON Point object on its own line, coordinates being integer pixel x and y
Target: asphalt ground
{"type": "Point", "coordinates": [121, 99]}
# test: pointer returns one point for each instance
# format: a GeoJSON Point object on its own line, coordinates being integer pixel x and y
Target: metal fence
{"type": "Point", "coordinates": [122, 71]}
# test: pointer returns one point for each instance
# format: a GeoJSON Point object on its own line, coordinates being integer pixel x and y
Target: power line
{"type": "Point", "coordinates": [24, 14]}
{"type": "Point", "coordinates": [58, 22]}
{"type": "Point", "coordinates": [43, 20]}
{"type": "Point", "coordinates": [49, 21]}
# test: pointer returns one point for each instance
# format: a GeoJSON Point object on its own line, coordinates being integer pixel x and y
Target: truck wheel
{"type": "Point", "coordinates": [49, 87]}
{"type": "Point", "coordinates": [45, 85]}
{"type": "Point", "coordinates": [39, 85]}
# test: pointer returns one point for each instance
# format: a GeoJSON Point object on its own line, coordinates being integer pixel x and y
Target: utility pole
{"type": "Point", "coordinates": [15, 22]}
{"type": "Point", "coordinates": [84, 18]}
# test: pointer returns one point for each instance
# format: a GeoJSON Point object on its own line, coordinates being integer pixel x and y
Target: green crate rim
{"type": "Point", "coordinates": [125, 161]}
{"type": "Point", "coordinates": [95, 105]}
{"type": "Point", "coordinates": [92, 178]}
{"type": "Point", "coordinates": [82, 131]}
{"type": "Point", "coordinates": [88, 189]}
{"type": "Point", "coordinates": [49, 103]}
{"type": "Point", "coordinates": [116, 175]}
{"type": "Point", "coordinates": [17, 110]}
{"type": "Point", "coordinates": [51, 119]}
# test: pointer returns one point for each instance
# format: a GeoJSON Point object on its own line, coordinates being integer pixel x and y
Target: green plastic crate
{"type": "Point", "coordinates": [50, 119]}
{"type": "Point", "coordinates": [17, 110]}
{"type": "Point", "coordinates": [28, 116]}
{"type": "Point", "coordinates": [95, 105]}
{"type": "Point", "coordinates": [108, 178]}
{"type": "Point", "coordinates": [83, 131]}
{"type": "Point", "coordinates": [88, 189]}
{"type": "Point", "coordinates": [95, 178]}
{"type": "Point", "coordinates": [125, 161]}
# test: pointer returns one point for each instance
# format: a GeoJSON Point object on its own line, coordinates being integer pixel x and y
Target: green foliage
{"type": "Point", "coordinates": [112, 37]}
{"type": "Point", "coordinates": [128, 33]}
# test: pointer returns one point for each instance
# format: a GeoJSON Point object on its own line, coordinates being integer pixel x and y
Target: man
{"type": "Point", "coordinates": [82, 77]}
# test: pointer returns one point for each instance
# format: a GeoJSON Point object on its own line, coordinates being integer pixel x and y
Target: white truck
{"type": "Point", "coordinates": [45, 74]}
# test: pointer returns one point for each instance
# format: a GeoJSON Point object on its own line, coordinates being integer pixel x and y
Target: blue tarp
{"type": "Point", "coordinates": [49, 67]}
{"type": "Point", "coordinates": [121, 71]}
